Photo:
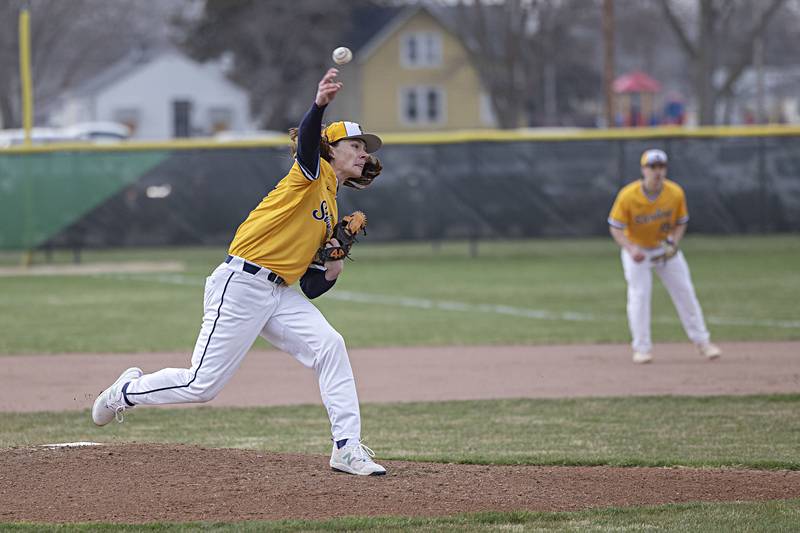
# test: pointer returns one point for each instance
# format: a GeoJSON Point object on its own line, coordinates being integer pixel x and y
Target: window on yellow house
{"type": "Point", "coordinates": [422, 104]}
{"type": "Point", "coordinates": [421, 49]}
{"type": "Point", "coordinates": [411, 106]}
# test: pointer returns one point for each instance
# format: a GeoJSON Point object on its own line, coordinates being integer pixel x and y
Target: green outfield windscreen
{"type": "Point", "coordinates": [43, 194]}
{"type": "Point", "coordinates": [463, 188]}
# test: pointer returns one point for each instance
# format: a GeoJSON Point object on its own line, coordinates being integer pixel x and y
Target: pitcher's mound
{"type": "Point", "coordinates": [160, 482]}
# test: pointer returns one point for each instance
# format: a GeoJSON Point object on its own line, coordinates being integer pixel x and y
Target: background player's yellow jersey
{"type": "Point", "coordinates": [290, 224]}
{"type": "Point", "coordinates": [648, 221]}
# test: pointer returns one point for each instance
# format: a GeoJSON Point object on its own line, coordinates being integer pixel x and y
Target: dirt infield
{"type": "Point", "coordinates": [136, 483]}
{"type": "Point", "coordinates": [69, 382]}
{"type": "Point", "coordinates": [143, 483]}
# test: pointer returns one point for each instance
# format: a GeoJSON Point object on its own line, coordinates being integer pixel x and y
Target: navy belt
{"type": "Point", "coordinates": [250, 268]}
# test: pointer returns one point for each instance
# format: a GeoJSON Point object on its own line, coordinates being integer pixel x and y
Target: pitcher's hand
{"type": "Point", "coordinates": [327, 88]}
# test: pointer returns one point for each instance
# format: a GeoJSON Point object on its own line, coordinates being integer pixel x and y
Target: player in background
{"type": "Point", "coordinates": [648, 220]}
{"type": "Point", "coordinates": [249, 295]}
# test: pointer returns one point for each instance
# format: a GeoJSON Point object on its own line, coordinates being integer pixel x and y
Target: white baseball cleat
{"type": "Point", "coordinates": [710, 351]}
{"type": "Point", "coordinates": [641, 358]}
{"type": "Point", "coordinates": [110, 404]}
{"type": "Point", "coordinates": [355, 458]}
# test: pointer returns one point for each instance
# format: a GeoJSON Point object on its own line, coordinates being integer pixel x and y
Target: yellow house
{"type": "Point", "coordinates": [413, 74]}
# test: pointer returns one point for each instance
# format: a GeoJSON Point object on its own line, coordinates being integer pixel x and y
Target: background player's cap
{"type": "Point", "coordinates": [653, 157]}
{"type": "Point", "coordinates": [350, 130]}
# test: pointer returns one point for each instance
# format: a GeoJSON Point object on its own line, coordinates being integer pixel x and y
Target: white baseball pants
{"type": "Point", "coordinates": [678, 282]}
{"type": "Point", "coordinates": [239, 307]}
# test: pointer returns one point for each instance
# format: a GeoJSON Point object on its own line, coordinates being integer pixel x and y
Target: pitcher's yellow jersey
{"type": "Point", "coordinates": [290, 224]}
{"type": "Point", "coordinates": [648, 221]}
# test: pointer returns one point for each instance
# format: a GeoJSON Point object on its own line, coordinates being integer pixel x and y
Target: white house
{"type": "Point", "coordinates": [776, 89]}
{"type": "Point", "coordinates": [159, 96]}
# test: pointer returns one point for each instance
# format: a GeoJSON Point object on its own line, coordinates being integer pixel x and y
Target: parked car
{"type": "Point", "coordinates": [94, 132]}
{"type": "Point", "coordinates": [252, 135]}
{"type": "Point", "coordinates": [98, 132]}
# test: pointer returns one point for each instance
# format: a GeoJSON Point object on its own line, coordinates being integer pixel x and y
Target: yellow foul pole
{"type": "Point", "coordinates": [25, 73]}
{"type": "Point", "coordinates": [27, 111]}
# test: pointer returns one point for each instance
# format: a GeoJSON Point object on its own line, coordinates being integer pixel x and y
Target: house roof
{"type": "Point", "coordinates": [366, 23]}
{"type": "Point", "coordinates": [636, 82]}
{"type": "Point", "coordinates": [374, 28]}
{"type": "Point", "coordinates": [132, 62]}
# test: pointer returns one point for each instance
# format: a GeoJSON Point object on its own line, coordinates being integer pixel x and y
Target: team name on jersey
{"type": "Point", "coordinates": [323, 214]}
{"type": "Point", "coordinates": [652, 217]}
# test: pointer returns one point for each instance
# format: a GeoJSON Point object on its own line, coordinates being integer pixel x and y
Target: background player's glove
{"type": "Point", "coordinates": [670, 249]}
{"type": "Point", "coordinates": [372, 167]}
{"type": "Point", "coordinates": [345, 231]}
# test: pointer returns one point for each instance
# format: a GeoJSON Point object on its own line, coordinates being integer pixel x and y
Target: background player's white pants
{"type": "Point", "coordinates": [678, 281]}
{"type": "Point", "coordinates": [238, 308]}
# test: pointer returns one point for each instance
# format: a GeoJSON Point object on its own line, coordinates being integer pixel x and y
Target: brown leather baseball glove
{"type": "Point", "coordinates": [345, 231]}
{"type": "Point", "coordinates": [669, 250]}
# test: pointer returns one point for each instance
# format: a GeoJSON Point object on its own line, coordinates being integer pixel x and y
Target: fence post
{"type": "Point", "coordinates": [762, 185]}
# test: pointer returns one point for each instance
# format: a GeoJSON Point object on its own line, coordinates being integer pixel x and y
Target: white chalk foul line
{"type": "Point", "coordinates": [71, 444]}
{"type": "Point", "coordinates": [538, 314]}
{"type": "Point", "coordinates": [463, 307]}
{"type": "Point", "coordinates": [443, 305]}
{"type": "Point", "coordinates": [722, 321]}
{"type": "Point", "coordinates": [169, 279]}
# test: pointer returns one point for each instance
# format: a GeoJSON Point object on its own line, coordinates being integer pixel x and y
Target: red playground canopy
{"type": "Point", "coordinates": [636, 82]}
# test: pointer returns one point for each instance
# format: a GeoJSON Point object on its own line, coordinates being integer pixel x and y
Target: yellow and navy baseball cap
{"type": "Point", "coordinates": [653, 157]}
{"type": "Point", "coordinates": [350, 130]}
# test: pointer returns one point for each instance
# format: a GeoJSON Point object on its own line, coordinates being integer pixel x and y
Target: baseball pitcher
{"type": "Point", "coordinates": [292, 235]}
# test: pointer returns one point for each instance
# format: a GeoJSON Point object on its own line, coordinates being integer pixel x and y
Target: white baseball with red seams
{"type": "Point", "coordinates": [342, 55]}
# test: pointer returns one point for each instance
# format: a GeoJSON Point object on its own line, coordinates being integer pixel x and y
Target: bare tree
{"type": "Point", "coordinates": [497, 39]}
{"type": "Point", "coordinates": [724, 36]}
{"type": "Point", "coordinates": [277, 49]}
{"type": "Point", "coordinates": [71, 41]}
{"type": "Point", "coordinates": [782, 36]}
{"type": "Point", "coordinates": [533, 56]}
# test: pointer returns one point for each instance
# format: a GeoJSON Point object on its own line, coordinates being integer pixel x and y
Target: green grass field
{"type": "Point", "coordinates": [742, 432]}
{"type": "Point", "coordinates": [654, 431]}
{"type": "Point", "coordinates": [525, 292]}
{"type": "Point", "coordinates": [568, 291]}
{"type": "Point", "coordinates": [778, 516]}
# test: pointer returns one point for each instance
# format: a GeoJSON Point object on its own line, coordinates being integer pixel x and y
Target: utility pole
{"type": "Point", "coordinates": [608, 64]}
{"type": "Point", "coordinates": [761, 108]}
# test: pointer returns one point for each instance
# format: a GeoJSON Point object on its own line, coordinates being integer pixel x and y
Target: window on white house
{"type": "Point", "coordinates": [181, 118]}
{"type": "Point", "coordinates": [220, 119]}
{"type": "Point", "coordinates": [422, 104]}
{"type": "Point", "coordinates": [129, 116]}
{"type": "Point", "coordinates": [421, 49]}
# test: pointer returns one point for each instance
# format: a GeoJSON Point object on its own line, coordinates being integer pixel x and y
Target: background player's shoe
{"type": "Point", "coordinates": [110, 404]}
{"type": "Point", "coordinates": [709, 350]}
{"type": "Point", "coordinates": [355, 458]}
{"type": "Point", "coordinates": [641, 358]}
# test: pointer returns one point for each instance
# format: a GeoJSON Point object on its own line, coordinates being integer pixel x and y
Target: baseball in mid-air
{"type": "Point", "coordinates": [342, 55]}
